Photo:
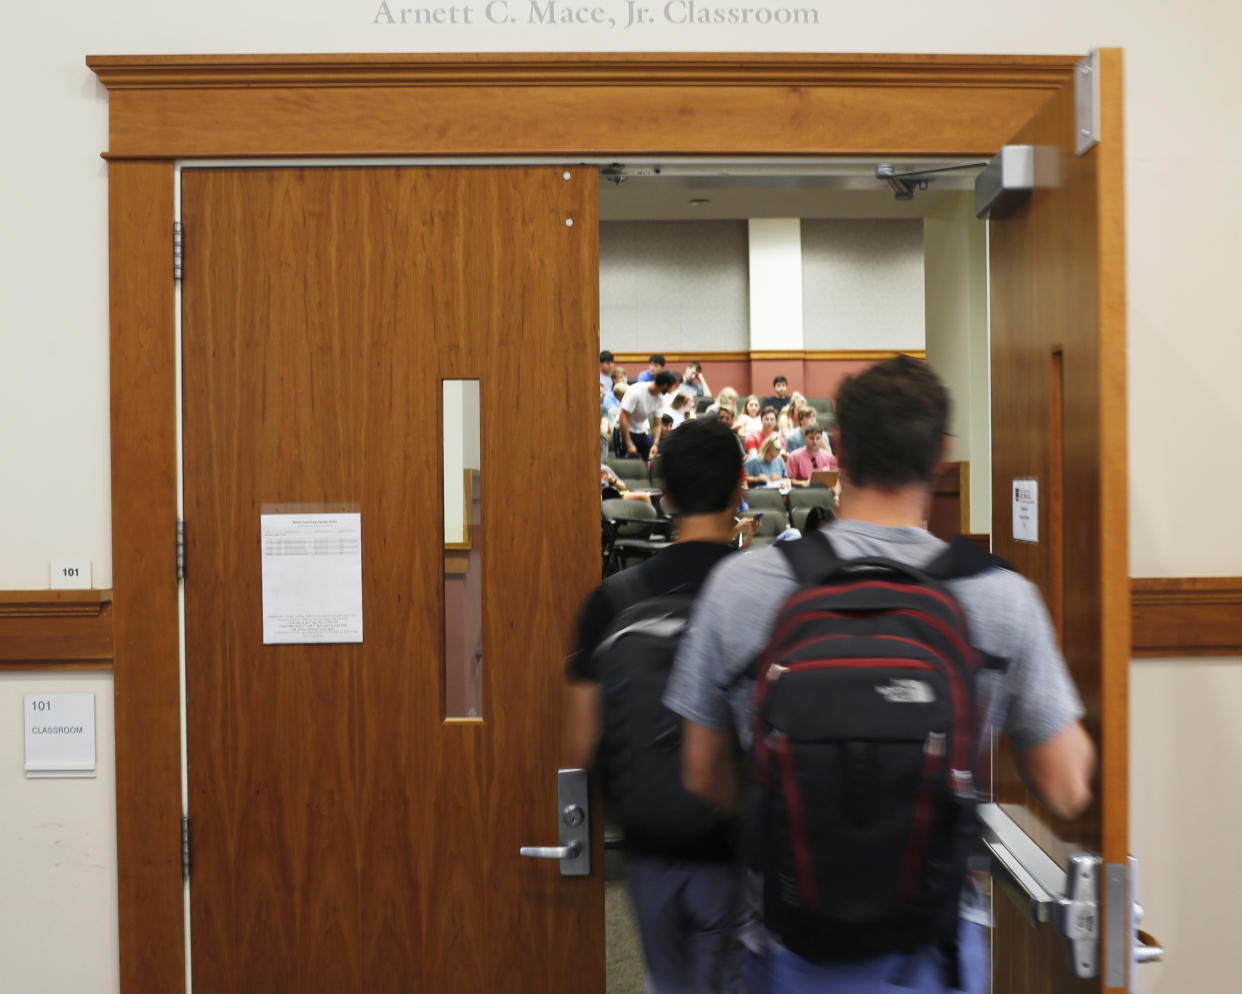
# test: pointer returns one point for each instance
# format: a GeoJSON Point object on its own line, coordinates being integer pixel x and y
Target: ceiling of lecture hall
{"type": "Point", "coordinates": [715, 190]}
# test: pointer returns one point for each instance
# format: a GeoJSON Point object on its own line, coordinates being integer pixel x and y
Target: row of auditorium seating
{"type": "Point", "coordinates": [632, 530]}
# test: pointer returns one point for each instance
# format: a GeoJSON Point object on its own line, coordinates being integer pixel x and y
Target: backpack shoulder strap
{"type": "Point", "coordinates": [625, 589]}
{"type": "Point", "coordinates": [810, 557]}
{"type": "Point", "coordinates": [962, 559]}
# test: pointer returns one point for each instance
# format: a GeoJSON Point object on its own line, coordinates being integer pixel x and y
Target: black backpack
{"type": "Point", "coordinates": [866, 736]}
{"type": "Point", "coordinates": [640, 747]}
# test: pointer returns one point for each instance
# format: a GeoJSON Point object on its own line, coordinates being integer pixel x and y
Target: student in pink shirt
{"type": "Point", "coordinates": [800, 463]}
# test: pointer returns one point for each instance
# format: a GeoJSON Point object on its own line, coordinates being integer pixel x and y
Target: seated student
{"type": "Point", "coordinates": [780, 393]}
{"type": "Point", "coordinates": [766, 466]}
{"type": "Point", "coordinates": [612, 487]}
{"type": "Point", "coordinates": [654, 365]}
{"type": "Point", "coordinates": [728, 397]}
{"type": "Point", "coordinates": [681, 408]}
{"type": "Point", "coordinates": [605, 368]}
{"type": "Point", "coordinates": [767, 429]}
{"type": "Point", "coordinates": [619, 375]}
{"type": "Point", "coordinates": [750, 417]}
{"type": "Point", "coordinates": [695, 381]}
{"type": "Point", "coordinates": [787, 416]}
{"type": "Point", "coordinates": [814, 455]}
{"type": "Point", "coordinates": [796, 439]}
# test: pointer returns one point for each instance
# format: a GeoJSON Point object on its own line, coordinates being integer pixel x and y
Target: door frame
{"type": "Point", "coordinates": [163, 109]}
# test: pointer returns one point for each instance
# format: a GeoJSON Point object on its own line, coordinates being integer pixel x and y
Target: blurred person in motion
{"type": "Point", "coordinates": [891, 422]}
{"type": "Point", "coordinates": [680, 852]}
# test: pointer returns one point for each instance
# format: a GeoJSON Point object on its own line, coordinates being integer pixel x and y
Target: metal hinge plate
{"type": "Point", "coordinates": [1087, 101]}
{"type": "Point", "coordinates": [178, 249]}
{"type": "Point", "coordinates": [185, 847]}
{"type": "Point", "coordinates": [180, 550]}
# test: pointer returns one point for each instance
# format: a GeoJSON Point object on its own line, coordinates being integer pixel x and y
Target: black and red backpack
{"type": "Point", "coordinates": [866, 738]}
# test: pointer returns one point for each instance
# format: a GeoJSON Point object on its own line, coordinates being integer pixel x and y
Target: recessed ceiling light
{"type": "Point", "coordinates": [699, 201]}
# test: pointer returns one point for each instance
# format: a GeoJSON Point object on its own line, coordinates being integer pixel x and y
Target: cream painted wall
{"type": "Point", "coordinates": [862, 284]}
{"type": "Point", "coordinates": [1185, 349]}
{"type": "Point", "coordinates": [58, 923]}
{"type": "Point", "coordinates": [673, 286]}
{"type": "Point", "coordinates": [775, 283]}
{"type": "Point", "coordinates": [955, 261]}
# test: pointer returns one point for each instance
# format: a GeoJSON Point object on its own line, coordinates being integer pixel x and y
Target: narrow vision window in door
{"type": "Point", "coordinates": [463, 551]}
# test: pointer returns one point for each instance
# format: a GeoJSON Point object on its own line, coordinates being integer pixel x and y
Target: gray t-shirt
{"type": "Point", "coordinates": [1032, 700]}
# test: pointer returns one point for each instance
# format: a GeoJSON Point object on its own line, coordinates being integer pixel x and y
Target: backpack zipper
{"type": "Point", "coordinates": [933, 762]}
{"type": "Point", "coordinates": [807, 886]}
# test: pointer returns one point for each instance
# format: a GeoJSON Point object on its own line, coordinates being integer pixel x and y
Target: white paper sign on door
{"type": "Point", "coordinates": [60, 735]}
{"type": "Point", "coordinates": [1026, 509]}
{"type": "Point", "coordinates": [312, 578]}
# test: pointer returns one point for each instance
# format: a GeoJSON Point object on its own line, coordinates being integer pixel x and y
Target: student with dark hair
{"type": "Point", "coordinates": [640, 414]}
{"type": "Point", "coordinates": [780, 394]}
{"type": "Point", "coordinates": [683, 890]}
{"type": "Point", "coordinates": [605, 380]}
{"type": "Point", "coordinates": [654, 365]}
{"type": "Point", "coordinates": [695, 381]}
{"type": "Point", "coordinates": [892, 420]}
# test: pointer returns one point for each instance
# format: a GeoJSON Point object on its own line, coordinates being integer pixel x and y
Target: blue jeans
{"type": "Point", "coordinates": [782, 972]}
{"type": "Point", "coordinates": [687, 914]}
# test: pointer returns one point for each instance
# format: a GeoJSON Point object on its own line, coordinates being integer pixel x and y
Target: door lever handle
{"type": "Point", "coordinates": [552, 852]}
{"type": "Point", "coordinates": [573, 826]}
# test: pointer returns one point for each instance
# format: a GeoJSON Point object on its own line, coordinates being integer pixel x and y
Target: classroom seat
{"type": "Point", "coordinates": [632, 471]}
{"type": "Point", "coordinates": [703, 403]}
{"type": "Point", "coordinates": [765, 499]}
{"type": "Point", "coordinates": [811, 496]}
{"type": "Point", "coordinates": [631, 530]}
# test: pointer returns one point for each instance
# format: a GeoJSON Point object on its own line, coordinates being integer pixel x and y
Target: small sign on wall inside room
{"type": "Point", "coordinates": [1026, 509]}
{"type": "Point", "coordinates": [70, 574]}
{"type": "Point", "coordinates": [60, 735]}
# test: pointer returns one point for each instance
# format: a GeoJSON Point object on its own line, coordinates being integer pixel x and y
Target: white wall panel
{"type": "Point", "coordinates": [775, 284]}
{"type": "Point", "coordinates": [58, 920]}
{"type": "Point", "coordinates": [673, 286]}
{"type": "Point", "coordinates": [862, 284]}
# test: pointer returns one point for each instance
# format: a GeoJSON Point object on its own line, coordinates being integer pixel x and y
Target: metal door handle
{"type": "Point", "coordinates": [573, 824]}
{"type": "Point", "coordinates": [1147, 949]}
{"type": "Point", "coordinates": [552, 852]}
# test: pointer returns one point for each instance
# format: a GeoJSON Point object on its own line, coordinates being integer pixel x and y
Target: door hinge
{"type": "Point", "coordinates": [1087, 103]}
{"type": "Point", "coordinates": [180, 550]}
{"type": "Point", "coordinates": [178, 249]}
{"type": "Point", "coordinates": [185, 847]}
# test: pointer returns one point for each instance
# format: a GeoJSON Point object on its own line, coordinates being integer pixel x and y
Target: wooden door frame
{"type": "Point", "coordinates": [169, 108]}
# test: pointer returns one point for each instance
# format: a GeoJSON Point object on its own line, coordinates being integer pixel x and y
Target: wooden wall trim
{"type": "Point", "coordinates": [146, 679]}
{"type": "Point", "coordinates": [577, 69]}
{"type": "Point", "coordinates": [224, 106]}
{"type": "Point", "coordinates": [800, 355]}
{"type": "Point", "coordinates": [55, 629]}
{"type": "Point", "coordinates": [1186, 616]}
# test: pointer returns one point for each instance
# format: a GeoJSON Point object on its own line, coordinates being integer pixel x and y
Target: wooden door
{"type": "Point", "coordinates": [1059, 415]}
{"type": "Point", "coordinates": [347, 835]}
